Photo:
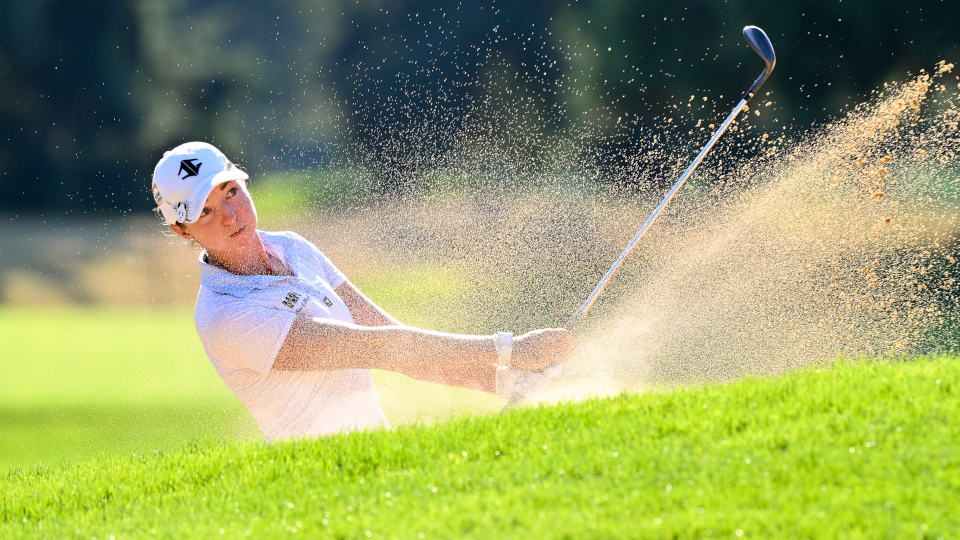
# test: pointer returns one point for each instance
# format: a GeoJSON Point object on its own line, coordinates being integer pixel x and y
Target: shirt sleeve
{"type": "Point", "coordinates": [244, 335]}
{"type": "Point", "coordinates": [330, 273]}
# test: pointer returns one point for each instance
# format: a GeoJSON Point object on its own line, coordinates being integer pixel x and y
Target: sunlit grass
{"type": "Point", "coordinates": [859, 450]}
{"type": "Point", "coordinates": [103, 357]}
{"type": "Point", "coordinates": [78, 382]}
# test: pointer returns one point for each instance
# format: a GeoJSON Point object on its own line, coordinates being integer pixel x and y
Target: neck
{"type": "Point", "coordinates": [252, 261]}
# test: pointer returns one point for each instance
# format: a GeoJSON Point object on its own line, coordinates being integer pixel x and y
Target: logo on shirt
{"type": "Point", "coordinates": [328, 301]}
{"type": "Point", "coordinates": [291, 299]}
{"type": "Point", "coordinates": [191, 168]}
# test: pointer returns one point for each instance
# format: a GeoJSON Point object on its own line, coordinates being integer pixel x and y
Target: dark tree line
{"type": "Point", "coordinates": [91, 93]}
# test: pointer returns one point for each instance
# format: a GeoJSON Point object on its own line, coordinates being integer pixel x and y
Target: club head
{"type": "Point", "coordinates": [760, 44]}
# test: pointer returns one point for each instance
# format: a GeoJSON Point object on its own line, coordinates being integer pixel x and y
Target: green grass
{"type": "Point", "coordinates": [75, 383]}
{"type": "Point", "coordinates": [52, 434]}
{"type": "Point", "coordinates": [102, 356]}
{"type": "Point", "coordinates": [859, 450]}
{"type": "Point", "coordinates": [425, 297]}
{"type": "Point", "coordinates": [281, 195]}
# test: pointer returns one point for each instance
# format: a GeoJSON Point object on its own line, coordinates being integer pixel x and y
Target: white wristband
{"type": "Point", "coordinates": [503, 341]}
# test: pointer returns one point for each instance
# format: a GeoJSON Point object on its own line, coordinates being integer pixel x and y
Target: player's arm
{"type": "Point", "coordinates": [459, 360]}
{"type": "Point", "coordinates": [366, 312]}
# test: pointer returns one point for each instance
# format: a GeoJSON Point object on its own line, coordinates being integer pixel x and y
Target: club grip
{"type": "Point", "coordinates": [552, 371]}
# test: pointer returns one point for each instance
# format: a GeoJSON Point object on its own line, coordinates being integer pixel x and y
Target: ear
{"type": "Point", "coordinates": [178, 229]}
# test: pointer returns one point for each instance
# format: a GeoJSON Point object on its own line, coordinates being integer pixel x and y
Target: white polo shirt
{"type": "Point", "coordinates": [244, 320]}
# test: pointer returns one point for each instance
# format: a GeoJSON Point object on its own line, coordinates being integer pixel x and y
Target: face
{"type": "Point", "coordinates": [227, 223]}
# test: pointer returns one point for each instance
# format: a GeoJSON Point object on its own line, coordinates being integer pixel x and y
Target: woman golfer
{"type": "Point", "coordinates": [293, 338]}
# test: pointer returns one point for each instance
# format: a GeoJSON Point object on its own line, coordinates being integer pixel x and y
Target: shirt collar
{"type": "Point", "coordinates": [219, 280]}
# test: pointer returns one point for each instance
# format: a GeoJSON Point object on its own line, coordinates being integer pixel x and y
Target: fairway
{"type": "Point", "coordinates": [113, 381]}
{"type": "Point", "coordinates": [858, 450]}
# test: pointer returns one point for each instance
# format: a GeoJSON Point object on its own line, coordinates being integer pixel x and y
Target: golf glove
{"type": "Point", "coordinates": [512, 382]}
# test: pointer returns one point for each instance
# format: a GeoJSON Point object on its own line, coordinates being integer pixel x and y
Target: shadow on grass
{"type": "Point", "coordinates": [54, 434]}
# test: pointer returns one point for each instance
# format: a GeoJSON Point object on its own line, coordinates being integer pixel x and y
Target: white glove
{"type": "Point", "coordinates": [513, 383]}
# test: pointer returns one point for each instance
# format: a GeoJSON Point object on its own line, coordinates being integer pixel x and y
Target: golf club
{"type": "Point", "coordinates": [760, 43]}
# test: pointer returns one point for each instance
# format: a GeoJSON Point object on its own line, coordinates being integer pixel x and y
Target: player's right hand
{"type": "Point", "coordinates": [541, 348]}
{"type": "Point", "coordinates": [513, 383]}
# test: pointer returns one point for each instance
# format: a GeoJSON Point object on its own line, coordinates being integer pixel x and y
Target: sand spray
{"type": "Point", "coordinates": [783, 251]}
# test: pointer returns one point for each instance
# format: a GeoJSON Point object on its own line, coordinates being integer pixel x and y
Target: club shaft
{"type": "Point", "coordinates": [578, 316]}
{"type": "Point", "coordinates": [760, 43]}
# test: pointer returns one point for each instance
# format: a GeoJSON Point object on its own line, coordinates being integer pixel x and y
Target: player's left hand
{"type": "Point", "coordinates": [542, 348]}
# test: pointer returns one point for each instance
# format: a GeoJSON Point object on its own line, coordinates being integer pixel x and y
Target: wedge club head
{"type": "Point", "coordinates": [761, 45]}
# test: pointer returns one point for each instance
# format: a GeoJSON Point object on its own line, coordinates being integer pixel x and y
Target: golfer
{"type": "Point", "coordinates": [293, 338]}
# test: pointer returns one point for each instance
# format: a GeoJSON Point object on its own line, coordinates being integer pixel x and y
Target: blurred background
{"type": "Point", "coordinates": [364, 125]}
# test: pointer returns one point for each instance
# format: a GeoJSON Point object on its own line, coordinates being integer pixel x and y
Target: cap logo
{"type": "Point", "coordinates": [181, 210]}
{"type": "Point", "coordinates": [190, 167]}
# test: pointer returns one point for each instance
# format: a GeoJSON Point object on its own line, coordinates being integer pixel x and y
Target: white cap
{"type": "Point", "coordinates": [186, 175]}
